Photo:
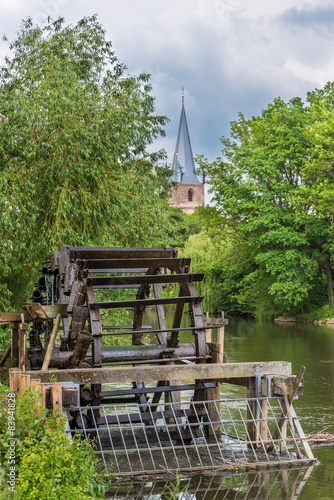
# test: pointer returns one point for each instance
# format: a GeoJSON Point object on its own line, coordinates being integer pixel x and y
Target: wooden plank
{"type": "Point", "coordinates": [35, 309]}
{"type": "Point", "coordinates": [120, 253]}
{"type": "Point", "coordinates": [145, 302]}
{"type": "Point", "coordinates": [14, 379]}
{"type": "Point", "coordinates": [214, 371]}
{"type": "Point", "coordinates": [50, 311]}
{"type": "Point", "coordinates": [24, 382]}
{"type": "Point", "coordinates": [133, 263]}
{"type": "Point", "coordinates": [56, 398]}
{"type": "Point", "coordinates": [140, 280]}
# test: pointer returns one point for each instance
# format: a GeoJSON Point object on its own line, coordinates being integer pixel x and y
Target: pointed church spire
{"type": "Point", "coordinates": [183, 162]}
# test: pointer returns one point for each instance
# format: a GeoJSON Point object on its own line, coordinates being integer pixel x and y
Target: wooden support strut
{"type": "Point", "coordinates": [292, 394]}
{"type": "Point", "coordinates": [51, 344]}
{"type": "Point", "coordinates": [5, 355]}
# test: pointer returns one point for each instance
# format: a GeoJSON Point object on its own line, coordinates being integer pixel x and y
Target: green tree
{"type": "Point", "coordinates": [74, 166]}
{"type": "Point", "coordinates": [258, 187]}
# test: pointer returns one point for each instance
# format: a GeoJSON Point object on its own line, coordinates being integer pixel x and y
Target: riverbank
{"type": "Point", "coordinates": [305, 319]}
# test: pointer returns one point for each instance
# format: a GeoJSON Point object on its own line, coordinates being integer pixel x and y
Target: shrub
{"type": "Point", "coordinates": [48, 465]}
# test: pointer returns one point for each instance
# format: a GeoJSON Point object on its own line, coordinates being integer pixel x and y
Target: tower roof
{"type": "Point", "coordinates": [183, 156]}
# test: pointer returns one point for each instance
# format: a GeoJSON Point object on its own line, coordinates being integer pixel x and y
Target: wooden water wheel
{"type": "Point", "coordinates": [128, 279]}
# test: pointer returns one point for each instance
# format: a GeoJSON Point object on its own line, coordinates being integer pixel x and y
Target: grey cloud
{"type": "Point", "coordinates": [231, 55]}
{"type": "Point", "coordinates": [309, 16]}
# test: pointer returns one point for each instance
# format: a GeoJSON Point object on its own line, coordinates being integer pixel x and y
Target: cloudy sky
{"type": "Point", "coordinates": [231, 55]}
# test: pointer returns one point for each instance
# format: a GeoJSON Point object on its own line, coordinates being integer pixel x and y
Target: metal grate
{"type": "Point", "coordinates": [264, 485]}
{"type": "Point", "coordinates": [134, 439]}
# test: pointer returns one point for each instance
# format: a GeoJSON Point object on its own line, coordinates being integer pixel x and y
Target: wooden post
{"type": "Point", "coordinates": [208, 333]}
{"type": "Point", "coordinates": [251, 413]}
{"type": "Point", "coordinates": [214, 411]}
{"type": "Point", "coordinates": [24, 383]}
{"type": "Point", "coordinates": [263, 427]}
{"type": "Point", "coordinates": [23, 354]}
{"type": "Point", "coordinates": [56, 398]}
{"type": "Point", "coordinates": [282, 443]}
{"type": "Point", "coordinates": [36, 384]}
{"type": "Point", "coordinates": [220, 340]}
{"type": "Point", "coordinates": [14, 379]}
{"type": "Point", "coordinates": [15, 343]}
{"type": "Point", "coordinates": [214, 408]}
{"type": "Point", "coordinates": [51, 343]}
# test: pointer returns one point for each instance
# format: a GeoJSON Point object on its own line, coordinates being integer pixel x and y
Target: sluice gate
{"type": "Point", "coordinates": [151, 404]}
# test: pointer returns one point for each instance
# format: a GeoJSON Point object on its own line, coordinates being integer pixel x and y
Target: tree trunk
{"type": "Point", "coordinates": [329, 281]}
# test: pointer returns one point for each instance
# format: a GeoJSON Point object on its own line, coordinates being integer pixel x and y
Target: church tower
{"type": "Point", "coordinates": [189, 190]}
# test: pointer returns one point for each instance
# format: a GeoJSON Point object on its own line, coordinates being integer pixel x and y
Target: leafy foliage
{"type": "Point", "coordinates": [48, 465]}
{"type": "Point", "coordinates": [74, 166]}
{"type": "Point", "coordinates": [267, 196]}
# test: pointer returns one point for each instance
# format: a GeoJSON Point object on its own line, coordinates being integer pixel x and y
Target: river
{"type": "Point", "coordinates": [309, 345]}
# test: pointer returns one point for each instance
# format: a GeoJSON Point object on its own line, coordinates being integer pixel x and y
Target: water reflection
{"type": "Point", "coordinates": [283, 484]}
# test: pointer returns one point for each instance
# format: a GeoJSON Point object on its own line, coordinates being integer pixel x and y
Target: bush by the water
{"type": "Point", "coordinates": [47, 465]}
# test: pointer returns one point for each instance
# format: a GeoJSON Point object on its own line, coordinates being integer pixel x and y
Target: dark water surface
{"type": "Point", "coordinates": [310, 345]}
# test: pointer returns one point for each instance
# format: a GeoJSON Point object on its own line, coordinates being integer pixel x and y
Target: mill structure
{"type": "Point", "coordinates": [154, 402]}
{"type": "Point", "coordinates": [188, 192]}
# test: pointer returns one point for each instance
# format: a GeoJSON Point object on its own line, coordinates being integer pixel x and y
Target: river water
{"type": "Point", "coordinates": [309, 345]}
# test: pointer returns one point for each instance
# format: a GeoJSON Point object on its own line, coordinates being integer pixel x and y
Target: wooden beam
{"type": "Point", "coordinates": [145, 302]}
{"type": "Point", "coordinates": [133, 263]}
{"type": "Point", "coordinates": [51, 312]}
{"type": "Point", "coordinates": [140, 280]}
{"type": "Point", "coordinates": [6, 355]}
{"type": "Point", "coordinates": [120, 253]}
{"type": "Point", "coordinates": [214, 371]}
{"type": "Point", "coordinates": [51, 343]}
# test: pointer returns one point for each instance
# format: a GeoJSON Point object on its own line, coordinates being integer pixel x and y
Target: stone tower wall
{"type": "Point", "coordinates": [180, 196]}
